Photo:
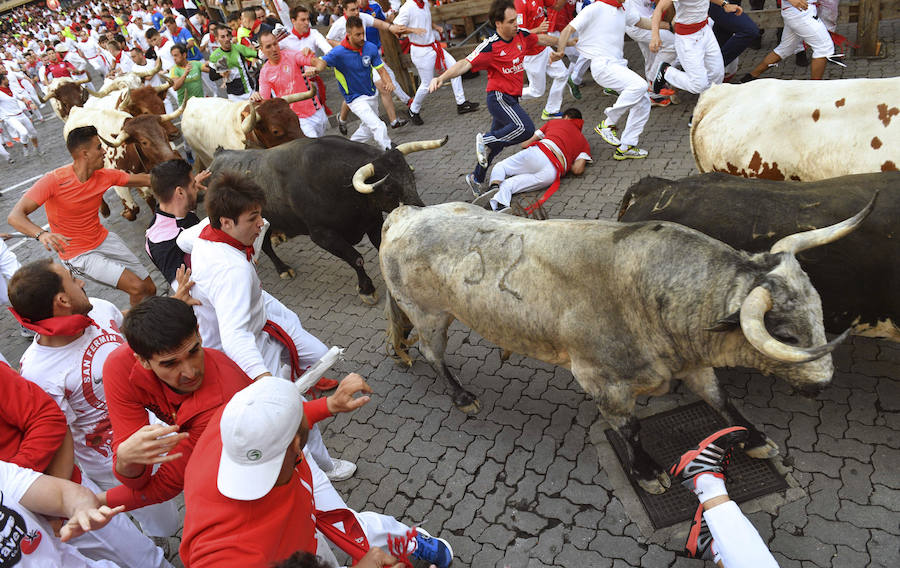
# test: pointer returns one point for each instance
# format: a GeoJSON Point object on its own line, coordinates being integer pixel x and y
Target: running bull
{"type": "Point", "coordinates": [858, 277]}
{"type": "Point", "coordinates": [333, 190]}
{"type": "Point", "coordinates": [627, 308]}
{"type": "Point", "coordinates": [798, 130]}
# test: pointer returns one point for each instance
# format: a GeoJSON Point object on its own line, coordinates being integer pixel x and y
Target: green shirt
{"type": "Point", "coordinates": [235, 59]}
{"type": "Point", "coordinates": [193, 84]}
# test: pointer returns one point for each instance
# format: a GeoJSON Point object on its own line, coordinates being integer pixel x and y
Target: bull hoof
{"type": "Point", "coordinates": [763, 452]}
{"type": "Point", "coordinates": [656, 486]}
{"type": "Point", "coordinates": [470, 408]}
{"type": "Point", "coordinates": [369, 299]}
{"type": "Point", "coordinates": [287, 274]}
{"type": "Point", "coordinates": [277, 238]}
{"type": "Point", "coordinates": [131, 214]}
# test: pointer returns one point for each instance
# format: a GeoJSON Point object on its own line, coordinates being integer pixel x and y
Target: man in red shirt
{"type": "Point", "coordinates": [249, 476]}
{"type": "Point", "coordinates": [502, 55]}
{"type": "Point", "coordinates": [533, 16]}
{"type": "Point", "coordinates": [557, 148]}
{"type": "Point", "coordinates": [72, 195]}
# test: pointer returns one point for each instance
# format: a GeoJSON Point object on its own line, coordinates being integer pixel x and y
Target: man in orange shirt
{"type": "Point", "coordinates": [72, 196]}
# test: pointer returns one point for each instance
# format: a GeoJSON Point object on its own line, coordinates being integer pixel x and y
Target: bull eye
{"type": "Point", "coordinates": [785, 338]}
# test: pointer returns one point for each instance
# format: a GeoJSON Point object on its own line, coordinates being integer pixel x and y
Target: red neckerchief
{"type": "Point", "coordinates": [7, 90]}
{"type": "Point", "coordinates": [308, 31]}
{"type": "Point", "coordinates": [255, 27]}
{"type": "Point", "coordinates": [119, 56]}
{"type": "Point", "coordinates": [164, 40]}
{"type": "Point", "coordinates": [346, 43]}
{"type": "Point", "coordinates": [219, 236]}
{"type": "Point", "coordinates": [614, 4]}
{"type": "Point", "coordinates": [420, 4]}
{"type": "Point", "coordinates": [60, 325]}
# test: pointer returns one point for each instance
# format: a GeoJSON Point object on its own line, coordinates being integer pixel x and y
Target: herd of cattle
{"type": "Point", "coordinates": [713, 270]}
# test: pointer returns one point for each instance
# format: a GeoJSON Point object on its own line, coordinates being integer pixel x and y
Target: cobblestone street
{"type": "Point", "coordinates": [531, 481]}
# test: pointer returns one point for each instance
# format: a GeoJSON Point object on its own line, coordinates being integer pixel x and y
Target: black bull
{"type": "Point", "coordinates": [318, 187]}
{"type": "Point", "coordinates": [857, 277]}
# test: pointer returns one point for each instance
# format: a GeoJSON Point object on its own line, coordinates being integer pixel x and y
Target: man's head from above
{"type": "Point", "coordinates": [163, 334]}
{"type": "Point", "coordinates": [85, 147]}
{"type": "Point", "coordinates": [137, 55]}
{"type": "Point", "coordinates": [234, 205]}
{"type": "Point", "coordinates": [43, 289]}
{"type": "Point", "coordinates": [263, 433]}
{"type": "Point", "coordinates": [154, 38]}
{"type": "Point", "coordinates": [171, 25]}
{"type": "Point", "coordinates": [172, 182]}
{"type": "Point", "coordinates": [223, 37]}
{"type": "Point", "coordinates": [248, 17]}
{"type": "Point", "coordinates": [351, 8]}
{"type": "Point", "coordinates": [179, 54]}
{"type": "Point", "coordinates": [573, 114]}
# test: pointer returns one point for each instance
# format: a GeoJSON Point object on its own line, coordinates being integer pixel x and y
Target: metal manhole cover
{"type": "Point", "coordinates": [667, 435]}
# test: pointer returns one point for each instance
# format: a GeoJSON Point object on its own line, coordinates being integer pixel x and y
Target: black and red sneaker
{"type": "Point", "coordinates": [710, 456]}
{"type": "Point", "coordinates": [699, 540]}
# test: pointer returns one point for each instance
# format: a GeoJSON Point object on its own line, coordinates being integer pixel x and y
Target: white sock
{"type": "Point", "coordinates": [707, 486]}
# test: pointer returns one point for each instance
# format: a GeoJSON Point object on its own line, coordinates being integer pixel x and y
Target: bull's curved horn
{"type": "Point", "coordinates": [410, 147]}
{"type": "Point", "coordinates": [296, 97]}
{"type": "Point", "coordinates": [126, 100]}
{"type": "Point", "coordinates": [809, 239]}
{"type": "Point", "coordinates": [364, 173]}
{"type": "Point", "coordinates": [162, 88]}
{"type": "Point", "coordinates": [92, 92]}
{"type": "Point", "coordinates": [106, 89]}
{"type": "Point", "coordinates": [249, 121]}
{"type": "Point", "coordinates": [150, 72]}
{"type": "Point", "coordinates": [48, 96]}
{"type": "Point", "coordinates": [175, 113]}
{"type": "Point", "coordinates": [117, 141]}
{"type": "Point", "coordinates": [82, 81]}
{"type": "Point", "coordinates": [753, 311]}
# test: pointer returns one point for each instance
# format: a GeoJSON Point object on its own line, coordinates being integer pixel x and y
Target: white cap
{"type": "Point", "coordinates": [61, 48]}
{"type": "Point", "coordinates": [257, 427]}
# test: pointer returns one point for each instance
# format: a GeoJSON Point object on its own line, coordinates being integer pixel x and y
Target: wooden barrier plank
{"type": "Point", "coordinates": [867, 28]}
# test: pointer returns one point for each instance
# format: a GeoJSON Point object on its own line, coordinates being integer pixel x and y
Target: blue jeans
{"type": "Point", "coordinates": [734, 33]}
{"type": "Point", "coordinates": [511, 125]}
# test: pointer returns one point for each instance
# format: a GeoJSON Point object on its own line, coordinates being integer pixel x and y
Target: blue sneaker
{"type": "Point", "coordinates": [433, 550]}
{"type": "Point", "coordinates": [547, 115]}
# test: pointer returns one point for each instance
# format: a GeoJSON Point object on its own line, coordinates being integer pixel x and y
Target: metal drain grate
{"type": "Point", "coordinates": [667, 435]}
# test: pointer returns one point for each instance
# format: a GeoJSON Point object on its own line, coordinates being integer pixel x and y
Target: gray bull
{"type": "Point", "coordinates": [627, 308]}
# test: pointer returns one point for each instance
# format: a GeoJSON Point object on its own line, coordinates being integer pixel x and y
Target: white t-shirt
{"type": "Point", "coordinates": [89, 48]}
{"type": "Point", "coordinates": [73, 376]}
{"type": "Point", "coordinates": [9, 106]}
{"type": "Point", "coordinates": [164, 52]}
{"type": "Point", "coordinates": [314, 41]}
{"type": "Point", "coordinates": [691, 11]}
{"type": "Point", "coordinates": [601, 31]}
{"type": "Point", "coordinates": [27, 539]}
{"type": "Point", "coordinates": [338, 29]}
{"type": "Point", "coordinates": [414, 17]}
{"type": "Point", "coordinates": [138, 35]}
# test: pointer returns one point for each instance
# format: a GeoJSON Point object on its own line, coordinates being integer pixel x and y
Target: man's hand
{"type": "Point", "coordinates": [200, 179]}
{"type": "Point", "coordinates": [88, 519]}
{"type": "Point", "coordinates": [342, 400]}
{"type": "Point", "coordinates": [435, 84]}
{"type": "Point", "coordinates": [256, 97]}
{"type": "Point", "coordinates": [737, 10]}
{"type": "Point", "coordinates": [799, 4]}
{"type": "Point", "coordinates": [183, 277]}
{"type": "Point", "coordinates": [54, 242]}
{"type": "Point", "coordinates": [307, 51]}
{"type": "Point", "coordinates": [542, 28]}
{"type": "Point", "coordinates": [150, 445]}
{"type": "Point", "coordinates": [655, 42]}
{"type": "Point", "coordinates": [378, 558]}
{"type": "Point", "coordinates": [556, 56]}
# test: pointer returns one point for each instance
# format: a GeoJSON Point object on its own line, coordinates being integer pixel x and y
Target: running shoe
{"type": "Point", "coordinates": [342, 127]}
{"type": "Point", "coordinates": [474, 185]}
{"type": "Point", "coordinates": [431, 549]}
{"type": "Point", "coordinates": [465, 107]}
{"type": "Point", "coordinates": [342, 470]}
{"type": "Point", "coordinates": [481, 150]}
{"type": "Point", "coordinates": [712, 455]}
{"type": "Point", "coordinates": [574, 89]}
{"type": "Point", "coordinates": [660, 102]}
{"type": "Point", "coordinates": [610, 92]}
{"type": "Point", "coordinates": [699, 540]}
{"type": "Point", "coordinates": [608, 132]}
{"type": "Point", "coordinates": [416, 118]}
{"type": "Point", "coordinates": [399, 123]}
{"type": "Point", "coordinates": [659, 82]}
{"type": "Point", "coordinates": [546, 115]}
{"type": "Point", "coordinates": [629, 153]}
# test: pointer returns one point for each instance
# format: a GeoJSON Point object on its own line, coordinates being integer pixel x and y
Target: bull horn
{"type": "Point", "coordinates": [117, 141]}
{"type": "Point", "coordinates": [410, 147]}
{"type": "Point", "coordinates": [162, 88]}
{"type": "Point", "coordinates": [48, 96]}
{"type": "Point", "coordinates": [150, 72]}
{"type": "Point", "coordinates": [175, 113]}
{"type": "Point", "coordinates": [82, 81]}
{"type": "Point", "coordinates": [809, 239]}
{"type": "Point", "coordinates": [296, 97]}
{"type": "Point", "coordinates": [364, 173]}
{"type": "Point", "coordinates": [126, 100]}
{"type": "Point", "coordinates": [107, 89]}
{"type": "Point", "coordinates": [92, 92]}
{"type": "Point", "coordinates": [753, 312]}
{"type": "Point", "coordinates": [249, 121]}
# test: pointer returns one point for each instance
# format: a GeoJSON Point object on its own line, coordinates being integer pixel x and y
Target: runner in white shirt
{"type": "Point", "coordinates": [601, 38]}
{"type": "Point", "coordinates": [652, 60]}
{"type": "Point", "coordinates": [427, 54]}
{"type": "Point", "coordinates": [91, 51]}
{"type": "Point", "coordinates": [137, 32]}
{"type": "Point", "coordinates": [12, 115]}
{"type": "Point", "coordinates": [23, 89]}
{"type": "Point", "coordinates": [26, 538]}
{"type": "Point", "coordinates": [303, 36]}
{"type": "Point", "coordinates": [281, 8]}
{"type": "Point", "coordinates": [163, 47]}
{"type": "Point", "coordinates": [698, 51]}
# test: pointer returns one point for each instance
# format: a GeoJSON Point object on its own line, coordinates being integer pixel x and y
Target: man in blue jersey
{"type": "Point", "coordinates": [353, 61]}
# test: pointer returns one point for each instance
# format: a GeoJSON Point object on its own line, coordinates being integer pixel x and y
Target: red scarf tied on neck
{"type": "Point", "coordinates": [614, 3]}
{"type": "Point", "coordinates": [219, 236]}
{"type": "Point", "coordinates": [299, 36]}
{"type": "Point", "coordinates": [346, 43]}
{"type": "Point", "coordinates": [59, 325]}
{"type": "Point", "coordinates": [6, 90]}
{"type": "Point", "coordinates": [420, 4]}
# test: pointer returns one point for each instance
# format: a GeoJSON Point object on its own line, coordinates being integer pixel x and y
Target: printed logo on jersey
{"type": "Point", "coordinates": [100, 439]}
{"type": "Point", "coordinates": [14, 537]}
{"type": "Point", "coordinates": [92, 378]}
{"type": "Point", "coordinates": [366, 61]}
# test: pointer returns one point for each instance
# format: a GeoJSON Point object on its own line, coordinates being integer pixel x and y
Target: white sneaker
{"type": "Point", "coordinates": [629, 153]}
{"type": "Point", "coordinates": [342, 470]}
{"type": "Point", "coordinates": [481, 150]}
{"type": "Point", "coordinates": [608, 132]}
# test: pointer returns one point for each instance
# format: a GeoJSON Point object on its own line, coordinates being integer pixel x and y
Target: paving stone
{"type": "Point", "coordinates": [802, 546]}
{"type": "Point", "coordinates": [823, 492]}
{"type": "Point", "coordinates": [883, 549]}
{"type": "Point", "coordinates": [886, 497]}
{"type": "Point", "coordinates": [836, 533]}
{"type": "Point", "coordinates": [846, 557]}
{"type": "Point", "coordinates": [870, 517]}
{"type": "Point", "coordinates": [613, 546]}
{"type": "Point", "coordinates": [855, 477]}
{"type": "Point", "coordinates": [803, 432]}
{"type": "Point", "coordinates": [791, 516]}
{"type": "Point", "coordinates": [887, 463]}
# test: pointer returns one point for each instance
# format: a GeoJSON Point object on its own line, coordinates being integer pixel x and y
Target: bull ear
{"type": "Point", "coordinates": [728, 323]}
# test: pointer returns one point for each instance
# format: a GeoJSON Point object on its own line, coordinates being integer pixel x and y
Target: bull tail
{"type": "Point", "coordinates": [398, 331]}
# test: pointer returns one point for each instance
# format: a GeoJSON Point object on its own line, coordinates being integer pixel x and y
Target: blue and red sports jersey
{"type": "Point", "coordinates": [503, 61]}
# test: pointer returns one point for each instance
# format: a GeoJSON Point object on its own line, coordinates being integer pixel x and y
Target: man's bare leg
{"type": "Point", "coordinates": [136, 288]}
{"type": "Point", "coordinates": [817, 68]}
{"type": "Point", "coordinates": [388, 102]}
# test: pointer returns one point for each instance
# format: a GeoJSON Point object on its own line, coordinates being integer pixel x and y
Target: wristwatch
{"type": "Point", "coordinates": [37, 235]}
{"type": "Point", "coordinates": [725, 3]}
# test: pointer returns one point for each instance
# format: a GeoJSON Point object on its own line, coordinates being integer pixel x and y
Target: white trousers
{"type": "Point", "coordinates": [736, 539]}
{"type": "Point", "coordinates": [371, 127]}
{"type": "Point", "coordinates": [398, 90]}
{"type": "Point", "coordinates": [20, 127]}
{"type": "Point", "coordinates": [314, 125]}
{"type": "Point", "coordinates": [652, 60]}
{"type": "Point", "coordinates": [376, 526]}
{"type": "Point", "coordinates": [577, 69]}
{"type": "Point", "coordinates": [701, 59]}
{"type": "Point", "coordinates": [424, 59]}
{"type": "Point", "coordinates": [120, 541]}
{"type": "Point", "coordinates": [802, 27]}
{"type": "Point", "coordinates": [244, 97]}
{"type": "Point", "coordinates": [538, 68]}
{"type": "Point", "coordinates": [633, 97]}
{"type": "Point", "coordinates": [527, 170]}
